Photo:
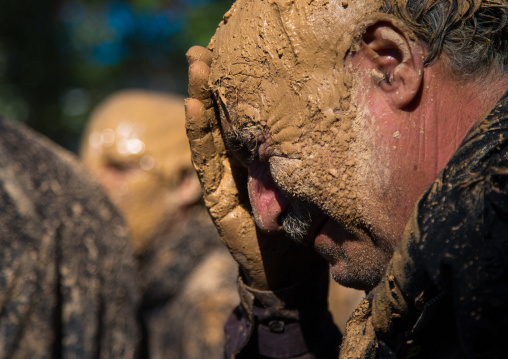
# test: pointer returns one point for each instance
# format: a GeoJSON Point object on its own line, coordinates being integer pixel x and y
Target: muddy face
{"type": "Point", "coordinates": [289, 106]}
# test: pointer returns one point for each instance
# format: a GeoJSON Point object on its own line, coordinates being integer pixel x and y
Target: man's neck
{"type": "Point", "coordinates": [457, 106]}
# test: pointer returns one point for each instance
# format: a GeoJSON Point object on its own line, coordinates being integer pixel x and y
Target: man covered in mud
{"type": "Point", "coordinates": [135, 145]}
{"type": "Point", "coordinates": [375, 133]}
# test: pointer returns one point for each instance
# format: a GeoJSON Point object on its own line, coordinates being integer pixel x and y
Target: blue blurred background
{"type": "Point", "coordinates": [59, 58]}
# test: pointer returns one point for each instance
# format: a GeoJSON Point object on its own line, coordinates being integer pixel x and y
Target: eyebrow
{"type": "Point", "coordinates": [242, 139]}
{"type": "Point", "coordinates": [244, 136]}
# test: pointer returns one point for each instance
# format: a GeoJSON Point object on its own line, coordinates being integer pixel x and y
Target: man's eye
{"type": "Point", "coordinates": [246, 152]}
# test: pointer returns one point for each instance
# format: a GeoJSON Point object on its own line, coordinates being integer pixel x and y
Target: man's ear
{"type": "Point", "coordinates": [395, 60]}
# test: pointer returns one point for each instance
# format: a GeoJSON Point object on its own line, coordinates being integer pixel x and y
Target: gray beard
{"type": "Point", "coordinates": [298, 218]}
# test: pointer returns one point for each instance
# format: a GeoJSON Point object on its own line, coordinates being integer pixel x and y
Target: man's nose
{"type": "Point", "coordinates": [267, 201]}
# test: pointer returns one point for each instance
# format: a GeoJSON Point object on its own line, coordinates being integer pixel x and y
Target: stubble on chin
{"type": "Point", "coordinates": [298, 218]}
{"type": "Point", "coordinates": [361, 268]}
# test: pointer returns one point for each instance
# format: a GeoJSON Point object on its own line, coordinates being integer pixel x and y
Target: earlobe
{"type": "Point", "coordinates": [397, 59]}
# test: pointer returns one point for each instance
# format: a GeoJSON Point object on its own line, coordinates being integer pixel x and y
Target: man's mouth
{"type": "Point", "coordinates": [329, 238]}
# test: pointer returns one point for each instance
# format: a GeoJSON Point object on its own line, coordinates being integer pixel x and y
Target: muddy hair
{"type": "Point", "coordinates": [472, 34]}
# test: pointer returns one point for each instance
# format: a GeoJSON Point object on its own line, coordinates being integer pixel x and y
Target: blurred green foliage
{"type": "Point", "coordinates": [59, 58]}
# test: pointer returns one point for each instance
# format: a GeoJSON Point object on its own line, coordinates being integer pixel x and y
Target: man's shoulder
{"type": "Point", "coordinates": [41, 181]}
{"type": "Point", "coordinates": [62, 242]}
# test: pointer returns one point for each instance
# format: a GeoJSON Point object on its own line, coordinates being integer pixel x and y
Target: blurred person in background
{"type": "Point", "coordinates": [67, 276]}
{"type": "Point", "coordinates": [136, 146]}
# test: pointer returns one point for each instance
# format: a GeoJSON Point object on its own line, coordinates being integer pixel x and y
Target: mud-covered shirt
{"type": "Point", "coordinates": [68, 286]}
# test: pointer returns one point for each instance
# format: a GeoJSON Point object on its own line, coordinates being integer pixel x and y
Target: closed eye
{"type": "Point", "coordinates": [244, 145]}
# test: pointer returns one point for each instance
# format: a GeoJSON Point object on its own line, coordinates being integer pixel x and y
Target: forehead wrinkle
{"type": "Point", "coordinates": [267, 45]}
{"type": "Point", "coordinates": [318, 28]}
{"type": "Point", "coordinates": [286, 38]}
{"type": "Point", "coordinates": [294, 21]}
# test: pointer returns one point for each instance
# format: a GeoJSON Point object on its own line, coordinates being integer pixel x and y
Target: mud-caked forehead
{"type": "Point", "coordinates": [265, 51]}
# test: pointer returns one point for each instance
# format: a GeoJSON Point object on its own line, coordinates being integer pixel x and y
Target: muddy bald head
{"type": "Point", "coordinates": [281, 66]}
{"type": "Point", "coordinates": [135, 144]}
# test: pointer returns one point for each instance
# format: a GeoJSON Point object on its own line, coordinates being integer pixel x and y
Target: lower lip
{"type": "Point", "coordinates": [329, 238]}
